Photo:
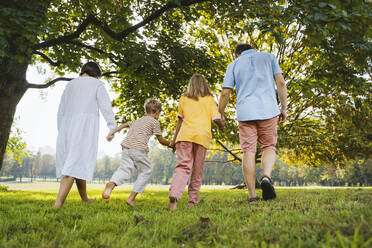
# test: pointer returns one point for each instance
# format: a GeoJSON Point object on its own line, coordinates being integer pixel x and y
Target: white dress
{"type": "Point", "coordinates": [78, 126]}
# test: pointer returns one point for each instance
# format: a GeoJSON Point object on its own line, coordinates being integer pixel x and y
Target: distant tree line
{"type": "Point", "coordinates": [31, 166]}
{"type": "Point", "coordinates": [218, 170]}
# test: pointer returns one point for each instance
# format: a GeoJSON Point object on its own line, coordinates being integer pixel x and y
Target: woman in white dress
{"type": "Point", "coordinates": [78, 127]}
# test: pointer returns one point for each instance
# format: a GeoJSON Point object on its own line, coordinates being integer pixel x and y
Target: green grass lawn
{"type": "Point", "coordinates": [297, 218]}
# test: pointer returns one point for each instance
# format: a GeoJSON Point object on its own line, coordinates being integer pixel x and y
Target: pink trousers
{"type": "Point", "coordinates": [190, 157]}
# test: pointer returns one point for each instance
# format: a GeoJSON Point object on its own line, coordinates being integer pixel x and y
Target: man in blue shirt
{"type": "Point", "coordinates": [253, 74]}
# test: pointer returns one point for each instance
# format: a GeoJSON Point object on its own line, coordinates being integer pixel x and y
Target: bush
{"type": "Point", "coordinates": [3, 188]}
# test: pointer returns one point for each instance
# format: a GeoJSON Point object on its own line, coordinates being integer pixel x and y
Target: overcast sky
{"type": "Point", "coordinates": [37, 115]}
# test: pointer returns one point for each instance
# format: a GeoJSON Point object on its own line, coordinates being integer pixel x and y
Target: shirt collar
{"type": "Point", "coordinates": [248, 51]}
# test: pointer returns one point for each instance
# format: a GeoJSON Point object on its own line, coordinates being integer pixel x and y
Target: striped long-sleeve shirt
{"type": "Point", "coordinates": [140, 131]}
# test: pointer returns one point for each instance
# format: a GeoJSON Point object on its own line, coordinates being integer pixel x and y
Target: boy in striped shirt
{"type": "Point", "coordinates": [135, 148]}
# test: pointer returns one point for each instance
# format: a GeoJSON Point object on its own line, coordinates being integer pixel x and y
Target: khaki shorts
{"type": "Point", "coordinates": [262, 130]}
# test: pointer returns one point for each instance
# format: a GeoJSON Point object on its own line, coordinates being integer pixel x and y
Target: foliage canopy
{"type": "Point", "coordinates": [154, 46]}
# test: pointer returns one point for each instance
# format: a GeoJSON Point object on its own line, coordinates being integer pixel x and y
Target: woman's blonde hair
{"type": "Point", "coordinates": [197, 87]}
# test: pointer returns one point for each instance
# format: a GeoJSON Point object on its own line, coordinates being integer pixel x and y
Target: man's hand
{"type": "Point", "coordinates": [110, 136]}
{"type": "Point", "coordinates": [282, 93]}
{"type": "Point", "coordinates": [224, 100]}
{"type": "Point", "coordinates": [282, 116]}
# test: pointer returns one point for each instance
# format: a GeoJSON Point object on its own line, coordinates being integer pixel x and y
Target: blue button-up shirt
{"type": "Point", "coordinates": [253, 75]}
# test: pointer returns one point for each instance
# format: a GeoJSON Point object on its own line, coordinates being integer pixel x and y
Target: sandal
{"type": "Point", "coordinates": [252, 199]}
{"type": "Point", "coordinates": [268, 191]}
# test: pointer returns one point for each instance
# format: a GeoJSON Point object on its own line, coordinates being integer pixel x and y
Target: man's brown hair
{"type": "Point", "coordinates": [241, 48]}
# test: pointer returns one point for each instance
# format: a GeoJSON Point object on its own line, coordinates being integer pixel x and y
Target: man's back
{"type": "Point", "coordinates": [253, 75]}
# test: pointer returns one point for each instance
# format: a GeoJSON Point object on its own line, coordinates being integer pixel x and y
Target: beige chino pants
{"type": "Point", "coordinates": [131, 160]}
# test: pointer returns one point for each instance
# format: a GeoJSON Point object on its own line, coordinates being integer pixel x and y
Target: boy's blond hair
{"type": "Point", "coordinates": [197, 87]}
{"type": "Point", "coordinates": [152, 106]}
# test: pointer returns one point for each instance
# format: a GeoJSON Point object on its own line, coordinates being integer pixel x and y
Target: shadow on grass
{"type": "Point", "coordinates": [298, 218]}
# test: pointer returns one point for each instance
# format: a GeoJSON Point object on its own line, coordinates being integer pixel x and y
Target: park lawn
{"type": "Point", "coordinates": [297, 218]}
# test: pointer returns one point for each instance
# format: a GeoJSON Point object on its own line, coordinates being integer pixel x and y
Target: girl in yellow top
{"type": "Point", "coordinates": [196, 110]}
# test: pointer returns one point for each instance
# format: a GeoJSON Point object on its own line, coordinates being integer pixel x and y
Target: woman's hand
{"type": "Point", "coordinates": [110, 136]}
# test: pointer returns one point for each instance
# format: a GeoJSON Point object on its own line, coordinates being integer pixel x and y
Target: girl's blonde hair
{"type": "Point", "coordinates": [197, 87]}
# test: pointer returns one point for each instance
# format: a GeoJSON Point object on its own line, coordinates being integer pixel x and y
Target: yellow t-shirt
{"type": "Point", "coordinates": [197, 116]}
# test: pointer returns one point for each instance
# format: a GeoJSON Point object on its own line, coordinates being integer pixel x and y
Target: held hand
{"type": "Point", "coordinates": [110, 136]}
{"type": "Point", "coordinates": [282, 116]}
{"type": "Point", "coordinates": [171, 144]}
{"type": "Point", "coordinates": [221, 123]}
{"type": "Point", "coordinates": [224, 124]}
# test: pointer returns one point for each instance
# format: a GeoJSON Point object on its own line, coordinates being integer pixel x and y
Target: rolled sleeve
{"type": "Point", "coordinates": [61, 108]}
{"type": "Point", "coordinates": [275, 66]}
{"type": "Point", "coordinates": [180, 108]}
{"type": "Point", "coordinates": [215, 114]}
{"type": "Point", "coordinates": [105, 107]}
{"type": "Point", "coordinates": [157, 129]}
{"type": "Point", "coordinates": [229, 80]}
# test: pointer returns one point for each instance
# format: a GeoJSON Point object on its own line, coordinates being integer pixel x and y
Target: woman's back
{"type": "Point", "coordinates": [80, 96]}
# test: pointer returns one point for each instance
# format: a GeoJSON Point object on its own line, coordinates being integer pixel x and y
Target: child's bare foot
{"type": "Point", "coordinates": [172, 204]}
{"type": "Point", "coordinates": [131, 198]}
{"type": "Point", "coordinates": [107, 192]}
{"type": "Point", "coordinates": [88, 200]}
{"type": "Point", "coordinates": [130, 203]}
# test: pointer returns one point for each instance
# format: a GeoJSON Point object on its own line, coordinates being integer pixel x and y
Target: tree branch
{"type": "Point", "coordinates": [49, 60]}
{"type": "Point", "coordinates": [226, 149]}
{"type": "Point", "coordinates": [43, 86]}
{"type": "Point", "coordinates": [219, 161]}
{"type": "Point", "coordinates": [64, 39]}
{"type": "Point", "coordinates": [50, 83]}
{"type": "Point", "coordinates": [104, 26]}
{"type": "Point", "coordinates": [111, 56]}
{"type": "Point", "coordinates": [258, 159]}
{"type": "Point", "coordinates": [221, 150]}
{"type": "Point", "coordinates": [108, 74]}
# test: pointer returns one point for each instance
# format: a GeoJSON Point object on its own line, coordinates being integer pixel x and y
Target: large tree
{"type": "Point", "coordinates": [115, 33]}
{"type": "Point", "coordinates": [154, 46]}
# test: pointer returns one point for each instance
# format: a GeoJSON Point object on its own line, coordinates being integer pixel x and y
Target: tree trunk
{"type": "Point", "coordinates": [12, 88]}
{"type": "Point", "coordinates": [365, 180]}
